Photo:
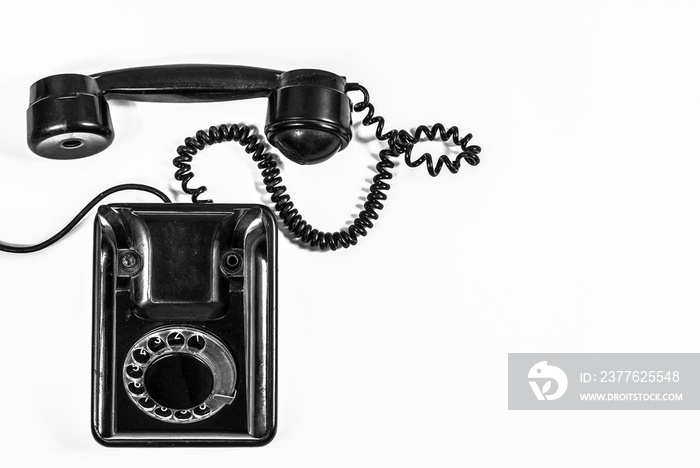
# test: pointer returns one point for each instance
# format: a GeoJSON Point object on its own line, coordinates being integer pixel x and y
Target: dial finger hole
{"type": "Point", "coordinates": [202, 410]}
{"type": "Point", "coordinates": [176, 339]}
{"type": "Point", "coordinates": [141, 356]}
{"type": "Point", "coordinates": [136, 388]}
{"type": "Point", "coordinates": [196, 342]}
{"type": "Point", "coordinates": [156, 344]}
{"type": "Point", "coordinates": [147, 403]}
{"type": "Point", "coordinates": [163, 412]}
{"type": "Point", "coordinates": [183, 415]}
{"type": "Point", "coordinates": [134, 371]}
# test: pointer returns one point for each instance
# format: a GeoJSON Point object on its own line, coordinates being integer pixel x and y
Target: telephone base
{"type": "Point", "coordinates": [184, 331]}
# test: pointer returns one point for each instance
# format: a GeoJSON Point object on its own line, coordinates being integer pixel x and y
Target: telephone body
{"type": "Point", "coordinates": [185, 305]}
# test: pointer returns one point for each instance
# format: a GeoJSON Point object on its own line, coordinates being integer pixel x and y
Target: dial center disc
{"type": "Point", "coordinates": [179, 381]}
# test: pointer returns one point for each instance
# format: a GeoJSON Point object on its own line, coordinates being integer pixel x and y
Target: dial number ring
{"type": "Point", "coordinates": [178, 341]}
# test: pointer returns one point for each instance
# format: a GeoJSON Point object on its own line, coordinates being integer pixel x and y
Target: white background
{"type": "Point", "coordinates": [577, 233]}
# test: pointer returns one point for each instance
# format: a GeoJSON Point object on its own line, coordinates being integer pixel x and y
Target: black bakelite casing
{"type": "Point", "coordinates": [185, 325]}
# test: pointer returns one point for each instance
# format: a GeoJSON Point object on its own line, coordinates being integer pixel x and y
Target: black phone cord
{"type": "Point", "coordinates": [55, 238]}
{"type": "Point", "coordinates": [399, 142]}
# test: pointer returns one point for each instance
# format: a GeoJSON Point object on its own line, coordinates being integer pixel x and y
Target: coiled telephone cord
{"type": "Point", "coordinates": [399, 142]}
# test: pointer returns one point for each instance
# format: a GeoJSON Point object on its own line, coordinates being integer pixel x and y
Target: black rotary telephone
{"type": "Point", "coordinates": [185, 309]}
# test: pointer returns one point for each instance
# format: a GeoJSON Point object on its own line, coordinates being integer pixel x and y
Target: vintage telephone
{"type": "Point", "coordinates": [184, 325]}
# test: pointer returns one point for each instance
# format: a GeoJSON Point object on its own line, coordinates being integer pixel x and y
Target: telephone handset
{"type": "Point", "coordinates": [308, 116]}
{"type": "Point", "coordinates": [185, 307]}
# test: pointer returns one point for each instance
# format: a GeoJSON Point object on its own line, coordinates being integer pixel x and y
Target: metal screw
{"type": "Point", "coordinates": [232, 261]}
{"type": "Point", "coordinates": [129, 261]}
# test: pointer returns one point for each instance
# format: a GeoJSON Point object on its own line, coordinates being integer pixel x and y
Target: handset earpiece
{"type": "Point", "coordinates": [308, 117]}
{"type": "Point", "coordinates": [68, 117]}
